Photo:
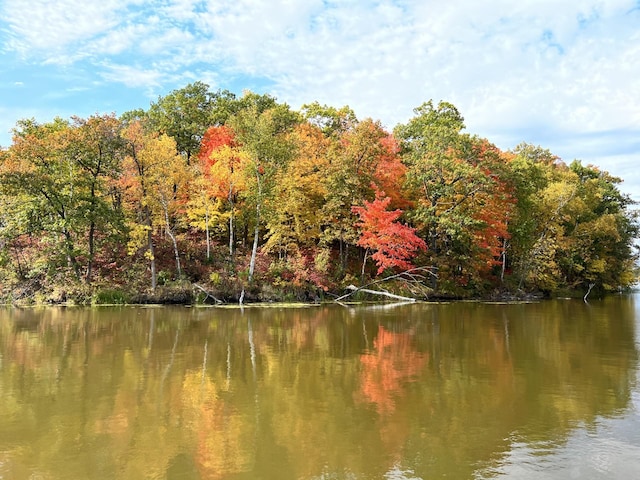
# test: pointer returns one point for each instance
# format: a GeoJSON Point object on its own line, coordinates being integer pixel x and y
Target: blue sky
{"type": "Point", "coordinates": [564, 75]}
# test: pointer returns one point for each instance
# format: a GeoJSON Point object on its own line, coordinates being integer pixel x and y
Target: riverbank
{"type": "Point", "coordinates": [189, 293]}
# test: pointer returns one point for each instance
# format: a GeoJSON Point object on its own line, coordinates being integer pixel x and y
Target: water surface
{"type": "Point", "coordinates": [465, 391]}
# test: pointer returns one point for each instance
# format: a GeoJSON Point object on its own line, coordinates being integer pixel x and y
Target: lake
{"type": "Point", "coordinates": [546, 390]}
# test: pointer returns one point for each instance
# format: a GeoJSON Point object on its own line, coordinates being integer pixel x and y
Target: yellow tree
{"type": "Point", "coordinates": [300, 194]}
{"type": "Point", "coordinates": [222, 162]}
{"type": "Point", "coordinates": [203, 208]}
{"type": "Point", "coordinates": [600, 233]}
{"type": "Point", "coordinates": [265, 137]}
{"type": "Point", "coordinates": [541, 269]}
{"type": "Point", "coordinates": [153, 173]}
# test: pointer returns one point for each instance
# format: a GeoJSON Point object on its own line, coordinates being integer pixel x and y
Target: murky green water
{"type": "Point", "coordinates": [462, 391]}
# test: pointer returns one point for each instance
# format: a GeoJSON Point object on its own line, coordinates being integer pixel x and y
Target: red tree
{"type": "Point", "coordinates": [393, 243]}
{"type": "Point", "coordinates": [214, 138]}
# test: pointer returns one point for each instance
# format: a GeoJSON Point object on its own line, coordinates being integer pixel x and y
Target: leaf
{"type": "Point", "coordinates": [393, 243]}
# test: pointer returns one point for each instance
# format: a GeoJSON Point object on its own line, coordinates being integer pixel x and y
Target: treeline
{"type": "Point", "coordinates": [245, 196]}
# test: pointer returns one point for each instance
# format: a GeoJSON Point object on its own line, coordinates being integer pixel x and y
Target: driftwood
{"type": "Point", "coordinates": [355, 289]}
{"type": "Point", "coordinates": [208, 295]}
{"type": "Point", "coordinates": [591, 285]}
{"type": "Point", "coordinates": [413, 275]}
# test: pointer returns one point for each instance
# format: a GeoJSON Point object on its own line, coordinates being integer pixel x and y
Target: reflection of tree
{"type": "Point", "coordinates": [87, 393]}
{"type": "Point", "coordinates": [224, 439]}
{"type": "Point", "coordinates": [393, 362]}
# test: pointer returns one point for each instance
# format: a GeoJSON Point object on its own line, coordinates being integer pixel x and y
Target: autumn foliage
{"type": "Point", "coordinates": [393, 244]}
{"type": "Point", "coordinates": [246, 198]}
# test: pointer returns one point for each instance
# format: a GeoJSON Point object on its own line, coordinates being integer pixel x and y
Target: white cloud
{"type": "Point", "coordinates": [46, 26]}
{"type": "Point", "coordinates": [132, 76]}
{"type": "Point", "coordinates": [535, 70]}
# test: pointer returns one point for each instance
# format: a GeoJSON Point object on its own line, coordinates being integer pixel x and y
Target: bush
{"type": "Point", "coordinates": [110, 297]}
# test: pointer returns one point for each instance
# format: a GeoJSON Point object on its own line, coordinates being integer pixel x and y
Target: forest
{"type": "Point", "coordinates": [207, 197]}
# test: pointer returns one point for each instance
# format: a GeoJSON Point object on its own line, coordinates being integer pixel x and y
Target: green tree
{"type": "Point", "coordinates": [601, 231]}
{"type": "Point", "coordinates": [98, 149]}
{"type": "Point", "coordinates": [186, 113]}
{"type": "Point", "coordinates": [529, 171]}
{"type": "Point", "coordinates": [444, 178]}
{"type": "Point", "coordinates": [39, 173]}
{"type": "Point", "coordinates": [330, 120]}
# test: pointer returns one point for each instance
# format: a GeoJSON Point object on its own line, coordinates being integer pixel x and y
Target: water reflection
{"type": "Point", "coordinates": [417, 391]}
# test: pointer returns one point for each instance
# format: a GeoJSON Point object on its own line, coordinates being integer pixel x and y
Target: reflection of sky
{"type": "Point", "coordinates": [398, 473]}
{"type": "Point", "coordinates": [608, 450]}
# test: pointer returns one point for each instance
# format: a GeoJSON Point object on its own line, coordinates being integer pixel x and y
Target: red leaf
{"type": "Point", "coordinates": [393, 243]}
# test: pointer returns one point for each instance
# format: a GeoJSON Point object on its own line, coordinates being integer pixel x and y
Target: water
{"type": "Point", "coordinates": [465, 391]}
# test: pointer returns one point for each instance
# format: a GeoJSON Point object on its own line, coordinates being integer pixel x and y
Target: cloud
{"type": "Point", "coordinates": [132, 76]}
{"type": "Point", "coordinates": [536, 70]}
{"type": "Point", "coordinates": [43, 26]}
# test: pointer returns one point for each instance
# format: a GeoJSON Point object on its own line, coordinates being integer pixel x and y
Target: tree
{"type": "Point", "coordinates": [222, 162]}
{"type": "Point", "coordinates": [600, 232]}
{"type": "Point", "coordinates": [492, 208]}
{"type": "Point", "coordinates": [38, 170]}
{"type": "Point", "coordinates": [300, 192]}
{"type": "Point", "coordinates": [264, 136]}
{"type": "Point", "coordinates": [444, 178]}
{"type": "Point", "coordinates": [393, 243]}
{"type": "Point", "coordinates": [353, 161]}
{"type": "Point", "coordinates": [529, 171]}
{"type": "Point", "coordinates": [203, 209]}
{"type": "Point", "coordinates": [390, 172]}
{"type": "Point", "coordinates": [333, 122]}
{"type": "Point", "coordinates": [186, 113]}
{"type": "Point", "coordinates": [151, 172]}
{"type": "Point", "coordinates": [98, 149]}
{"type": "Point", "coordinates": [168, 178]}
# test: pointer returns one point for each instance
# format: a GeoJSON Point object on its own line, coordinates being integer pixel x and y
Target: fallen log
{"type": "Point", "coordinates": [355, 289]}
{"type": "Point", "coordinates": [208, 295]}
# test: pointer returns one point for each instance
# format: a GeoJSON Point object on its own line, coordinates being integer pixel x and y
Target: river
{"type": "Point", "coordinates": [546, 390]}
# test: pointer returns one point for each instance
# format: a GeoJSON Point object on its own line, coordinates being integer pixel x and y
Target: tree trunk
{"type": "Point", "coordinates": [92, 234]}
{"type": "Point", "coordinates": [71, 259]}
{"type": "Point", "coordinates": [591, 285]}
{"type": "Point", "coordinates": [354, 289]}
{"type": "Point", "coordinates": [173, 240]}
{"type": "Point", "coordinates": [433, 238]}
{"type": "Point", "coordinates": [206, 228]}
{"type": "Point", "coordinates": [504, 260]}
{"type": "Point", "coordinates": [154, 277]}
{"type": "Point", "coordinates": [92, 230]}
{"type": "Point", "coordinates": [364, 262]}
{"type": "Point", "coordinates": [254, 252]}
{"type": "Point", "coordinates": [231, 237]}
{"type": "Point", "coordinates": [232, 209]}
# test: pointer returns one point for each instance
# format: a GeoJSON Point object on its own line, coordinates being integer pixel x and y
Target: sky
{"type": "Point", "coordinates": [561, 74]}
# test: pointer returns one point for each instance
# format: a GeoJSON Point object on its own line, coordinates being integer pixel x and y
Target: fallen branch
{"type": "Point", "coordinates": [374, 292]}
{"type": "Point", "coordinates": [414, 275]}
{"type": "Point", "coordinates": [208, 295]}
{"type": "Point", "coordinates": [591, 285]}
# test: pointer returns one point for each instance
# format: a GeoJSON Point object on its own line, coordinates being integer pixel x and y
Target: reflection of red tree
{"type": "Point", "coordinates": [392, 363]}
